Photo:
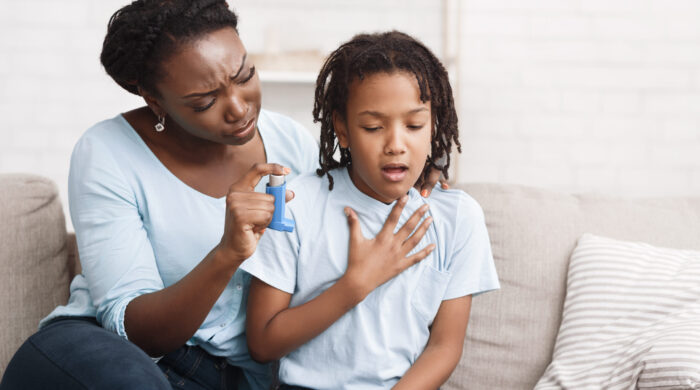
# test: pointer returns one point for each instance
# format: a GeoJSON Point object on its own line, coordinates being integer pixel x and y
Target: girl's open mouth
{"type": "Point", "coordinates": [394, 172]}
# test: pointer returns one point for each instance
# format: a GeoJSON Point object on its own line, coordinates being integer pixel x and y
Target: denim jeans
{"type": "Point", "coordinates": [77, 353]}
{"type": "Point", "coordinates": [192, 368]}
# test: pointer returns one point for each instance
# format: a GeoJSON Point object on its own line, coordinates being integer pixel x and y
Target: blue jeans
{"type": "Point", "coordinates": [191, 367]}
{"type": "Point", "coordinates": [77, 353]}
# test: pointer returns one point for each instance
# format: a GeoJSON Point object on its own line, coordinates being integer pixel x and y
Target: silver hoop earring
{"type": "Point", "coordinates": [160, 126]}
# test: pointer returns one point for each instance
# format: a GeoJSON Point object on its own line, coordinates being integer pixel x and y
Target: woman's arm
{"type": "Point", "coordinates": [161, 321]}
{"type": "Point", "coordinates": [444, 348]}
{"type": "Point", "coordinates": [273, 329]}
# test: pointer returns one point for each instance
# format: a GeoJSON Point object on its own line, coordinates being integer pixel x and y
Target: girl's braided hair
{"type": "Point", "coordinates": [367, 54]}
{"type": "Point", "coordinates": [145, 33]}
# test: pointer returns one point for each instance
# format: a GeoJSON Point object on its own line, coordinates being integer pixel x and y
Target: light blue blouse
{"type": "Point", "coordinates": [140, 229]}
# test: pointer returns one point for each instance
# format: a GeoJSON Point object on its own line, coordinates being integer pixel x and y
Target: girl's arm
{"type": "Point", "coordinates": [444, 348]}
{"type": "Point", "coordinates": [273, 329]}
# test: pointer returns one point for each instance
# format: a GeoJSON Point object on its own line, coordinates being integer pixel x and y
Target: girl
{"type": "Point", "coordinates": [344, 311]}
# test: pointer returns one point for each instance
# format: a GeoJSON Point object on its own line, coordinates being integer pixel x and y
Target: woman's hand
{"type": "Point", "coordinates": [372, 262]}
{"type": "Point", "coordinates": [248, 213]}
{"type": "Point", "coordinates": [431, 178]}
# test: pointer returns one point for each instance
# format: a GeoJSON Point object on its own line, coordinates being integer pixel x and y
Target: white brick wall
{"type": "Point", "coordinates": [587, 95]}
{"type": "Point", "coordinates": [572, 95]}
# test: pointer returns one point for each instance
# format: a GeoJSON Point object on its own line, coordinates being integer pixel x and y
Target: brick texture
{"type": "Point", "coordinates": [592, 95]}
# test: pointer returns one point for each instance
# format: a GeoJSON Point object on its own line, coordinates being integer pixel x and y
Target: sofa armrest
{"type": "Point", "coordinates": [34, 273]}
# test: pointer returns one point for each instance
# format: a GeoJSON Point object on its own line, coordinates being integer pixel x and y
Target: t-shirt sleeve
{"type": "Point", "coordinates": [275, 260]}
{"type": "Point", "coordinates": [471, 262]}
{"type": "Point", "coordinates": [115, 253]}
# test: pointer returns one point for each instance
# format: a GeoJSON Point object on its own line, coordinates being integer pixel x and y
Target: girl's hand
{"type": "Point", "coordinates": [248, 213]}
{"type": "Point", "coordinates": [372, 262]}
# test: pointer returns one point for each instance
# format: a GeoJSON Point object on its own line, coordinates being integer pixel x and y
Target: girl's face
{"type": "Point", "coordinates": [211, 90]}
{"type": "Point", "coordinates": [387, 131]}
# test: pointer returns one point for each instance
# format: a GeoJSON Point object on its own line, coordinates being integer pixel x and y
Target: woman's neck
{"type": "Point", "coordinates": [180, 144]}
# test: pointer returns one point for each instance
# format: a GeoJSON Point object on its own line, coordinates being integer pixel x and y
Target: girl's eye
{"type": "Point", "coordinates": [370, 128]}
{"type": "Point", "coordinates": [250, 76]}
{"type": "Point", "coordinates": [415, 127]}
{"type": "Point", "coordinates": [205, 107]}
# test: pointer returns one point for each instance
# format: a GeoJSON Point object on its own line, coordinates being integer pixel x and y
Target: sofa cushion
{"type": "Point", "coordinates": [533, 232]}
{"type": "Point", "coordinates": [630, 318]}
{"type": "Point", "coordinates": [33, 258]}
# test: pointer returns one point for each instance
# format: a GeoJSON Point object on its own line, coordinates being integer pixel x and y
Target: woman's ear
{"type": "Point", "coordinates": [152, 102]}
{"type": "Point", "coordinates": [341, 130]}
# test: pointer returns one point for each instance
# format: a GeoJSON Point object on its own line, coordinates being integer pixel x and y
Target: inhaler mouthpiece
{"type": "Point", "coordinates": [276, 180]}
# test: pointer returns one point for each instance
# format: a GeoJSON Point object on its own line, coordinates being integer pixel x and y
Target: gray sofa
{"type": "Point", "coordinates": [511, 332]}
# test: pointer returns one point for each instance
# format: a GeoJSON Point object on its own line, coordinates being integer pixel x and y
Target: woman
{"type": "Point", "coordinates": [163, 204]}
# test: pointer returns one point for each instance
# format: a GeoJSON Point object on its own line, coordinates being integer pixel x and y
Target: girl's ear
{"type": "Point", "coordinates": [341, 130]}
{"type": "Point", "coordinates": [152, 103]}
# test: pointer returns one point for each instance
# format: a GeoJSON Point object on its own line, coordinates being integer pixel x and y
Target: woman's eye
{"type": "Point", "coordinates": [369, 128]}
{"type": "Point", "coordinates": [415, 127]}
{"type": "Point", "coordinates": [205, 107]}
{"type": "Point", "coordinates": [250, 76]}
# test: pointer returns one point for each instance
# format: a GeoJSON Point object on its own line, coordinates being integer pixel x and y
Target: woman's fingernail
{"type": "Point", "coordinates": [347, 212]}
{"type": "Point", "coordinates": [424, 193]}
{"type": "Point", "coordinates": [445, 186]}
{"type": "Point", "coordinates": [287, 171]}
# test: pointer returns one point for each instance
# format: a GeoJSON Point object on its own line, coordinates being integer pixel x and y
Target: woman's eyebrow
{"type": "Point", "coordinates": [245, 56]}
{"type": "Point", "coordinates": [200, 94]}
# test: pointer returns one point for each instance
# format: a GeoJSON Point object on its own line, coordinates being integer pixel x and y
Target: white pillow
{"type": "Point", "coordinates": [631, 319]}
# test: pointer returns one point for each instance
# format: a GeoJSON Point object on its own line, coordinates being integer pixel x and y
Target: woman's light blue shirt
{"type": "Point", "coordinates": [140, 229]}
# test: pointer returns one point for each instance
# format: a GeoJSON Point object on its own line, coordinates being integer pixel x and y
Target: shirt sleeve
{"type": "Point", "coordinates": [115, 253]}
{"type": "Point", "coordinates": [471, 263]}
{"type": "Point", "coordinates": [275, 260]}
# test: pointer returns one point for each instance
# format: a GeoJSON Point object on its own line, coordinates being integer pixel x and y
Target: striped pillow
{"type": "Point", "coordinates": [631, 319]}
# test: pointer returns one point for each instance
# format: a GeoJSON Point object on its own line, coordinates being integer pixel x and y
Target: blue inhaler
{"type": "Point", "coordinates": [278, 188]}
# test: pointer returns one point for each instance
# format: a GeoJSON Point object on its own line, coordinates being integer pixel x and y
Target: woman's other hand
{"type": "Point", "coordinates": [248, 213]}
{"type": "Point", "coordinates": [433, 176]}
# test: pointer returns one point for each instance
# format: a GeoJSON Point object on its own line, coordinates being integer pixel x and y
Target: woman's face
{"type": "Point", "coordinates": [211, 90]}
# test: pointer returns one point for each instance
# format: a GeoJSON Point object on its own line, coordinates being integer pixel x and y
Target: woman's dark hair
{"type": "Point", "coordinates": [145, 33]}
{"type": "Point", "coordinates": [365, 55]}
